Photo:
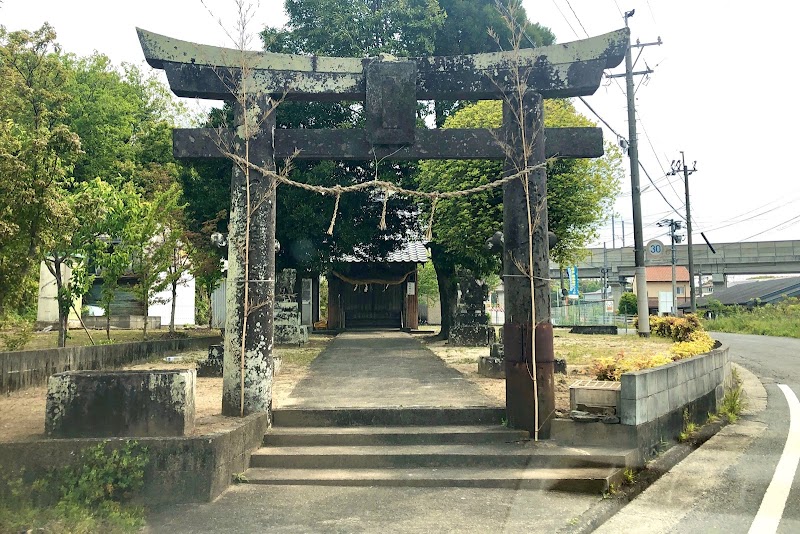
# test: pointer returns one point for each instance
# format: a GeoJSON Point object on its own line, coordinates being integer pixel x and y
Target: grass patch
{"type": "Point", "coordinates": [580, 349]}
{"type": "Point", "coordinates": [689, 427]}
{"type": "Point", "coordinates": [733, 402]}
{"type": "Point", "coordinates": [90, 496]}
{"type": "Point", "coordinates": [781, 319]}
{"type": "Point", "coordinates": [303, 355]}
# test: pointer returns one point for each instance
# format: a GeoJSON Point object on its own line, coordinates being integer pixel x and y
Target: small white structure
{"type": "Point", "coordinates": [47, 309]}
{"type": "Point", "coordinates": [184, 307]}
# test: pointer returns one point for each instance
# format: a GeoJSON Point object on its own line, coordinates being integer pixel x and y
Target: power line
{"type": "Point", "coordinates": [791, 222]}
{"type": "Point", "coordinates": [565, 19]}
{"type": "Point", "coordinates": [577, 18]}
{"type": "Point", "coordinates": [734, 223]}
{"type": "Point", "coordinates": [660, 193]}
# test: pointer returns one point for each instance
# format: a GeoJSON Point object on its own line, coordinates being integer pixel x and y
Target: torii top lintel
{"type": "Point", "coordinates": [557, 71]}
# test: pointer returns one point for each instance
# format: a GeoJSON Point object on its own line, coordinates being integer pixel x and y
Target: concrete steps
{"type": "Point", "coordinates": [424, 447]}
{"type": "Point", "coordinates": [405, 416]}
{"type": "Point", "coordinates": [583, 480]}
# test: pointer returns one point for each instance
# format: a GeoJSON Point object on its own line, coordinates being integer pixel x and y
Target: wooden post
{"type": "Point", "coordinates": [519, 354]}
{"type": "Point", "coordinates": [260, 291]}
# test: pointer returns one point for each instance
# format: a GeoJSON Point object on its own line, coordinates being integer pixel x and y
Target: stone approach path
{"type": "Point", "coordinates": [368, 369]}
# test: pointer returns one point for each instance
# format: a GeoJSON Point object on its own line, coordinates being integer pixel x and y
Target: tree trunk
{"type": "Point", "coordinates": [172, 312]}
{"type": "Point", "coordinates": [55, 270]}
{"type": "Point", "coordinates": [448, 289]}
{"type": "Point", "coordinates": [146, 312]}
{"type": "Point", "coordinates": [210, 308]}
{"type": "Point", "coordinates": [108, 323]}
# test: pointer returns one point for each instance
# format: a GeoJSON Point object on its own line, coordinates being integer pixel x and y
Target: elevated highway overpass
{"type": "Point", "coordinates": [752, 258]}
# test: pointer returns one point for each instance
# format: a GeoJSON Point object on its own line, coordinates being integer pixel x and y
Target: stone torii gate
{"type": "Point", "coordinates": [390, 89]}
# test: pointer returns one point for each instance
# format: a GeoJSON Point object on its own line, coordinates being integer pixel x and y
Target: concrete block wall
{"type": "Point", "coordinates": [650, 394]}
{"type": "Point", "coordinates": [29, 368]}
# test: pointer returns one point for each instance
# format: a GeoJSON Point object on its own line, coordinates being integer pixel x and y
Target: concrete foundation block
{"type": "Point", "coordinates": [627, 412]}
{"type": "Point", "coordinates": [471, 335]}
{"type": "Point", "coordinates": [212, 366]}
{"type": "Point", "coordinates": [595, 396]}
{"type": "Point", "coordinates": [120, 403]}
{"type": "Point", "coordinates": [491, 367]}
{"type": "Point", "coordinates": [633, 386]}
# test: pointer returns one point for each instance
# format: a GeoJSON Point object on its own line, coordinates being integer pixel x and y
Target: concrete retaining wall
{"type": "Point", "coordinates": [28, 368]}
{"type": "Point", "coordinates": [180, 470]}
{"type": "Point", "coordinates": [650, 394]}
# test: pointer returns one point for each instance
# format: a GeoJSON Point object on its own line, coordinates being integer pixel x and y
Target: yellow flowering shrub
{"type": "Point", "coordinates": [612, 367]}
{"type": "Point", "coordinates": [699, 342]}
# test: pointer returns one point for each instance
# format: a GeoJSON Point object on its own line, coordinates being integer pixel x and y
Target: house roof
{"type": "Point", "coordinates": [663, 273]}
{"type": "Point", "coordinates": [766, 291]}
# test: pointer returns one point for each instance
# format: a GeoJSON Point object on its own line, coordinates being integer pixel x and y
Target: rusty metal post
{"type": "Point", "coordinates": [259, 330]}
{"type": "Point", "coordinates": [521, 358]}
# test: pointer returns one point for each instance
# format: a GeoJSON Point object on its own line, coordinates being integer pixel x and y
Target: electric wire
{"type": "Point", "coordinates": [785, 224]}
{"type": "Point", "coordinates": [577, 18]}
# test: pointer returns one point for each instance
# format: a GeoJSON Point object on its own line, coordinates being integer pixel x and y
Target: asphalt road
{"type": "Point", "coordinates": [721, 486]}
{"type": "Point", "coordinates": [734, 505]}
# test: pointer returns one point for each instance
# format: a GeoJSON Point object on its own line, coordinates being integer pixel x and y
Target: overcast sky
{"type": "Point", "coordinates": [722, 91]}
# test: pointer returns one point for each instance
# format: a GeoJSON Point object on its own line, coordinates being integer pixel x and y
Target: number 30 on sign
{"type": "Point", "coordinates": [655, 247]}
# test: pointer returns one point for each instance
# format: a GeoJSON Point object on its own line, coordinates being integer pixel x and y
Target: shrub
{"type": "Point", "coordinates": [628, 304]}
{"type": "Point", "coordinates": [86, 497]}
{"type": "Point", "coordinates": [16, 332]}
{"type": "Point", "coordinates": [675, 328]}
{"type": "Point", "coordinates": [699, 342]}
{"type": "Point", "coordinates": [612, 368]}
{"type": "Point", "coordinates": [104, 476]}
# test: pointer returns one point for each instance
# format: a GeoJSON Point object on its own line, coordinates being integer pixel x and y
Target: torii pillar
{"type": "Point", "coordinates": [523, 120]}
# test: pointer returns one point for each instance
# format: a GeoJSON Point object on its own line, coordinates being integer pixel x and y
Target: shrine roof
{"type": "Point", "coordinates": [409, 252]}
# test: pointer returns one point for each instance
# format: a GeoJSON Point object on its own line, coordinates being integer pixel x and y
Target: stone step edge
{"type": "Point", "coordinates": [398, 416]}
{"type": "Point", "coordinates": [583, 479]}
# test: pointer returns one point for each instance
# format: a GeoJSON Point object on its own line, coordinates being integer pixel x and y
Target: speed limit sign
{"type": "Point", "coordinates": [655, 247]}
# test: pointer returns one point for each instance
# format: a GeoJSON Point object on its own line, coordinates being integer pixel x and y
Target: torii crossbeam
{"type": "Point", "coordinates": [390, 88]}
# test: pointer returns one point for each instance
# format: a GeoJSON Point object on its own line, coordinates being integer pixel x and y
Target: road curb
{"type": "Point", "coordinates": [756, 401]}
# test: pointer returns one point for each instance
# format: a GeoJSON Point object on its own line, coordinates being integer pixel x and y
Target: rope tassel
{"type": "Point", "coordinates": [382, 225]}
{"type": "Point", "coordinates": [429, 233]}
{"type": "Point", "coordinates": [335, 212]}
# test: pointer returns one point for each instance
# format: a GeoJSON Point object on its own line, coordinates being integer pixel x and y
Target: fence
{"type": "Point", "coordinates": [588, 313]}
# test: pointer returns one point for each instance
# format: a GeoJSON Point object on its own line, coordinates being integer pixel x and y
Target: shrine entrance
{"type": "Point", "coordinates": [390, 89]}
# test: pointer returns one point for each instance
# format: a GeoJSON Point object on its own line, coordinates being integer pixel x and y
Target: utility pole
{"type": "Point", "coordinates": [680, 166]}
{"type": "Point", "coordinates": [633, 153]}
{"type": "Point", "coordinates": [674, 226]}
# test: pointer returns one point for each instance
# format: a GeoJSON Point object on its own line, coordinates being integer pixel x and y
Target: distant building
{"type": "Point", "coordinates": [659, 281]}
{"type": "Point", "coordinates": [754, 293]}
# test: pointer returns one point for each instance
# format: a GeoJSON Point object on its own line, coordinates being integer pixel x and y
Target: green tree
{"type": "Point", "coordinates": [206, 259]}
{"type": "Point", "coordinates": [124, 120]}
{"type": "Point", "coordinates": [475, 26]}
{"type": "Point", "coordinates": [628, 304]}
{"type": "Point", "coordinates": [38, 153]}
{"type": "Point", "coordinates": [88, 215]}
{"type": "Point", "coordinates": [579, 194]}
{"type": "Point", "coordinates": [152, 241]}
{"type": "Point", "coordinates": [356, 28]}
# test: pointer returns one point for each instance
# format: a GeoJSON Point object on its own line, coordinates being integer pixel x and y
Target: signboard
{"type": "Point", "coordinates": [655, 248]}
{"type": "Point", "coordinates": [572, 272]}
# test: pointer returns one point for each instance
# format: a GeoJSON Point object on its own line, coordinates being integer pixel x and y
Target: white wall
{"type": "Point", "coordinates": [184, 310]}
{"type": "Point", "coordinates": [47, 309]}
